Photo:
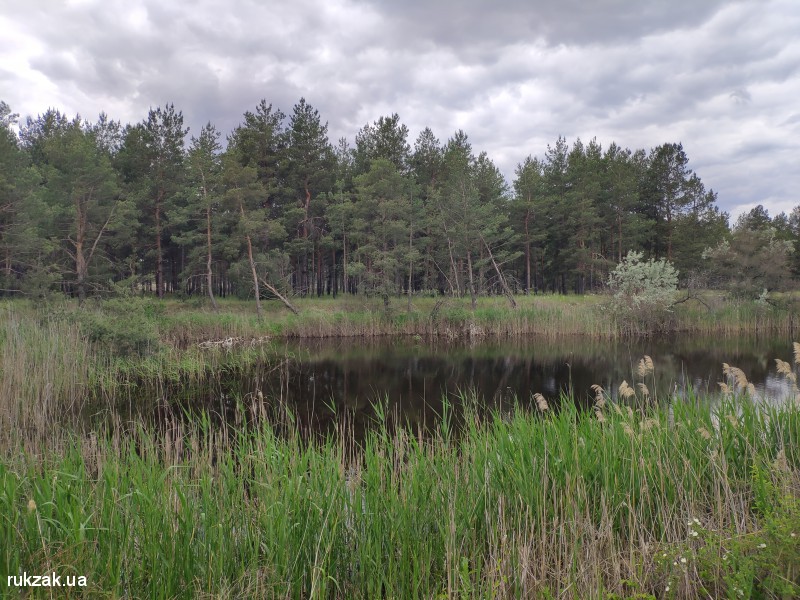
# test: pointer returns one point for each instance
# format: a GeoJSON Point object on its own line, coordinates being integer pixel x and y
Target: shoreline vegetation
{"type": "Point", "coordinates": [60, 357]}
{"type": "Point", "coordinates": [697, 499]}
{"type": "Point", "coordinates": [628, 499]}
{"type": "Point", "coordinates": [182, 323]}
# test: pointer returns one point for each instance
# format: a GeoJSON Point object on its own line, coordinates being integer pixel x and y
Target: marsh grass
{"type": "Point", "coordinates": [551, 503]}
{"type": "Point", "coordinates": [45, 370]}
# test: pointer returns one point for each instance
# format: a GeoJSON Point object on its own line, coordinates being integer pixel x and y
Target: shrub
{"type": "Point", "coordinates": [643, 292]}
{"type": "Point", "coordinates": [125, 328]}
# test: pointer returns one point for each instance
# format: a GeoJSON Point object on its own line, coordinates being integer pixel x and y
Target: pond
{"type": "Point", "coordinates": [419, 380]}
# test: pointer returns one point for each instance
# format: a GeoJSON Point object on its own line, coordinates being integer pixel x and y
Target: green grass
{"type": "Point", "coordinates": [140, 325]}
{"type": "Point", "coordinates": [136, 326]}
{"type": "Point", "coordinates": [510, 505]}
{"type": "Point", "coordinates": [514, 505]}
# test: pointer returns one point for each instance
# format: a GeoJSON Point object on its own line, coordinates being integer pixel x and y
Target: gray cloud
{"type": "Point", "coordinates": [474, 23]}
{"type": "Point", "coordinates": [722, 77]}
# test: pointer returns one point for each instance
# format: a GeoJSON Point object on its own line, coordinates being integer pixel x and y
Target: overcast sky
{"type": "Point", "coordinates": [722, 77]}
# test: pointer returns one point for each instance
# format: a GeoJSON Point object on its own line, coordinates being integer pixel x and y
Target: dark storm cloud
{"type": "Point", "coordinates": [722, 77]}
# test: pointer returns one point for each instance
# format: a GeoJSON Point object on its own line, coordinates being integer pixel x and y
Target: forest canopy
{"type": "Point", "coordinates": [101, 208]}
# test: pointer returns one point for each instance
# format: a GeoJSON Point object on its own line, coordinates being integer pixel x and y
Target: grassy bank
{"type": "Point", "coordinates": [678, 502]}
{"type": "Point", "coordinates": [58, 358]}
{"type": "Point", "coordinates": [182, 324]}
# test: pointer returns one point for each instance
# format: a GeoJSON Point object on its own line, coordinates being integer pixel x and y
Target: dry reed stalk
{"type": "Point", "coordinates": [704, 433]}
{"type": "Point", "coordinates": [625, 390]}
{"type": "Point", "coordinates": [738, 376]}
{"type": "Point", "coordinates": [645, 366]}
{"type": "Point", "coordinates": [599, 397]}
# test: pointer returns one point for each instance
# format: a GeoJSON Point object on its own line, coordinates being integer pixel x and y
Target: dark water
{"type": "Point", "coordinates": [321, 380]}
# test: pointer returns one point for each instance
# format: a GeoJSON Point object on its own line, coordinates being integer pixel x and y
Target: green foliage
{"type": "Point", "coordinates": [97, 204]}
{"type": "Point", "coordinates": [123, 328]}
{"type": "Point", "coordinates": [763, 562]}
{"type": "Point", "coordinates": [752, 261]}
{"type": "Point", "coordinates": [643, 291]}
{"type": "Point", "coordinates": [381, 227]}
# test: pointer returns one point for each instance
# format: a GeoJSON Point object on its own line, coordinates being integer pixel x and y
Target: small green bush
{"type": "Point", "coordinates": [125, 327]}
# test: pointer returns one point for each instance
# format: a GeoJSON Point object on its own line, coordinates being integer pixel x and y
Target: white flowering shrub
{"type": "Point", "coordinates": [643, 291]}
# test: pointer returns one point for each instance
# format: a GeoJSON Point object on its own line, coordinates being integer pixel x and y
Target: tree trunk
{"type": "Point", "coordinates": [320, 286]}
{"type": "Point", "coordinates": [80, 268]}
{"type": "Point", "coordinates": [527, 255]}
{"type": "Point", "coordinates": [472, 297]}
{"type": "Point", "coordinates": [280, 296]}
{"type": "Point", "coordinates": [503, 283]}
{"type": "Point", "coordinates": [481, 278]}
{"type": "Point", "coordinates": [345, 289]}
{"type": "Point", "coordinates": [209, 274]}
{"type": "Point", "coordinates": [307, 281]}
{"type": "Point", "coordinates": [332, 279]}
{"type": "Point", "coordinates": [259, 310]}
{"type": "Point", "coordinates": [669, 235]}
{"type": "Point", "coordinates": [159, 257]}
{"type": "Point", "coordinates": [80, 259]}
{"type": "Point", "coordinates": [410, 261]}
{"type": "Point", "coordinates": [453, 271]}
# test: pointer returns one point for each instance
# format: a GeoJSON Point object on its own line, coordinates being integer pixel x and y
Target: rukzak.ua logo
{"type": "Point", "coordinates": [49, 580]}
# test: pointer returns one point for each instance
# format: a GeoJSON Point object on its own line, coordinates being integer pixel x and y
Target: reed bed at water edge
{"type": "Point", "coordinates": [690, 500]}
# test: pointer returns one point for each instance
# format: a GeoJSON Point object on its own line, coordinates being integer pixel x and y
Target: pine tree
{"type": "Point", "coordinates": [383, 214]}
{"type": "Point", "coordinates": [151, 161]}
{"type": "Point", "coordinates": [309, 175]}
{"type": "Point", "coordinates": [82, 193]}
{"type": "Point", "coordinates": [21, 239]}
{"type": "Point", "coordinates": [203, 195]}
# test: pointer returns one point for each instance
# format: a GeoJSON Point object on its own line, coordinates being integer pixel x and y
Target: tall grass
{"type": "Point", "coordinates": [45, 372]}
{"type": "Point", "coordinates": [548, 504]}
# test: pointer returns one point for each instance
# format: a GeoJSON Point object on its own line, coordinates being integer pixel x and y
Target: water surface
{"type": "Point", "coordinates": [414, 379]}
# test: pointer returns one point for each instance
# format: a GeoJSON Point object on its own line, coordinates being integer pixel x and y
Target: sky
{"type": "Point", "coordinates": [720, 76]}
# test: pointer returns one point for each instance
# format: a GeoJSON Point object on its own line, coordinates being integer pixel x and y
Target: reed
{"type": "Point", "coordinates": [44, 372]}
{"type": "Point", "coordinates": [554, 503]}
{"type": "Point", "coordinates": [551, 503]}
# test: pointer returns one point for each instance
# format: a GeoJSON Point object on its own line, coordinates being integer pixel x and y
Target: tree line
{"type": "Point", "coordinates": [276, 208]}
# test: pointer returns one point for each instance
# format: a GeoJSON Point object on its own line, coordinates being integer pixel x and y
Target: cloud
{"type": "Point", "coordinates": [721, 77]}
{"type": "Point", "coordinates": [473, 25]}
{"type": "Point", "coordinates": [741, 96]}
